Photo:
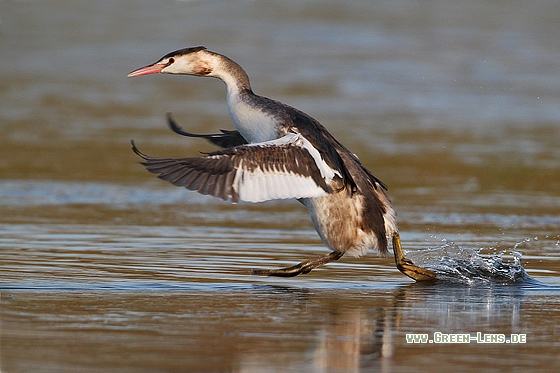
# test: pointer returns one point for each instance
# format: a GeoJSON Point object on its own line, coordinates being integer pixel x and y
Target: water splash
{"type": "Point", "coordinates": [455, 264]}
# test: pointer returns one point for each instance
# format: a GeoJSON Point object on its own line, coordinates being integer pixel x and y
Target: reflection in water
{"type": "Point", "coordinates": [357, 340]}
{"type": "Point", "coordinates": [354, 340]}
{"type": "Point", "coordinates": [456, 308]}
{"type": "Point", "coordinates": [355, 335]}
{"type": "Point", "coordinates": [453, 104]}
{"type": "Point", "coordinates": [264, 328]}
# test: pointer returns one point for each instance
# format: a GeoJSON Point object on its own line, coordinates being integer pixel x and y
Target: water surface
{"type": "Point", "coordinates": [454, 105]}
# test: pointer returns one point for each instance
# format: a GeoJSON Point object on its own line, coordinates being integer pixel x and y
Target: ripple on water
{"type": "Point", "coordinates": [190, 246]}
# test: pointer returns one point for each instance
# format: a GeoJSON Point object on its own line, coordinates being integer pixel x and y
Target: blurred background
{"type": "Point", "coordinates": [453, 104]}
{"type": "Point", "coordinates": [477, 79]}
{"type": "Point", "coordinates": [435, 97]}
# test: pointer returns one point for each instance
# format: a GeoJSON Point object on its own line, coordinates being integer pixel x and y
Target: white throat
{"type": "Point", "coordinates": [252, 122]}
{"type": "Point", "coordinates": [247, 111]}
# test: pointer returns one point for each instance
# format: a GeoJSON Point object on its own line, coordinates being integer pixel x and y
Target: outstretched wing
{"type": "Point", "coordinates": [226, 139]}
{"type": "Point", "coordinates": [289, 167]}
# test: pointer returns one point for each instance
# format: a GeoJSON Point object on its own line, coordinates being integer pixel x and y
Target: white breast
{"type": "Point", "coordinates": [253, 124]}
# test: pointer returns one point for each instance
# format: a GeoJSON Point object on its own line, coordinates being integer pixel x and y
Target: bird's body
{"type": "Point", "coordinates": [279, 152]}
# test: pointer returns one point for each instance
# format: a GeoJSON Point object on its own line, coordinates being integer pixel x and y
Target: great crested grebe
{"type": "Point", "coordinates": [280, 152]}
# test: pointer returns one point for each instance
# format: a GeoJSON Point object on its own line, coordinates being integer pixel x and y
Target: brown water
{"type": "Point", "coordinates": [455, 105]}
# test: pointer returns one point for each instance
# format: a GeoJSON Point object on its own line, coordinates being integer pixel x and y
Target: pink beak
{"type": "Point", "coordinates": [147, 70]}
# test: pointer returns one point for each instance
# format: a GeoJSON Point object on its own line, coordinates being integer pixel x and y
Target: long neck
{"type": "Point", "coordinates": [245, 108]}
{"type": "Point", "coordinates": [233, 75]}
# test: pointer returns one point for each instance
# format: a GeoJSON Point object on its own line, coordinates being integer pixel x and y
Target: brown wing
{"type": "Point", "coordinates": [282, 168]}
{"type": "Point", "coordinates": [226, 139]}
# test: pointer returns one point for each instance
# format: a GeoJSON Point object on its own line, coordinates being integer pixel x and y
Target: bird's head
{"type": "Point", "coordinates": [196, 61]}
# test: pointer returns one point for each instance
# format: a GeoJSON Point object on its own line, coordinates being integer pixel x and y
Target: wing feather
{"type": "Point", "coordinates": [226, 139]}
{"type": "Point", "coordinates": [288, 167]}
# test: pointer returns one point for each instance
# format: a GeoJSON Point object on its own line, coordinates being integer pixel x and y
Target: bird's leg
{"type": "Point", "coordinates": [302, 268]}
{"type": "Point", "coordinates": [406, 266]}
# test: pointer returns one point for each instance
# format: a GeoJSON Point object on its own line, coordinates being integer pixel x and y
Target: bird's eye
{"type": "Point", "coordinates": [170, 61]}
